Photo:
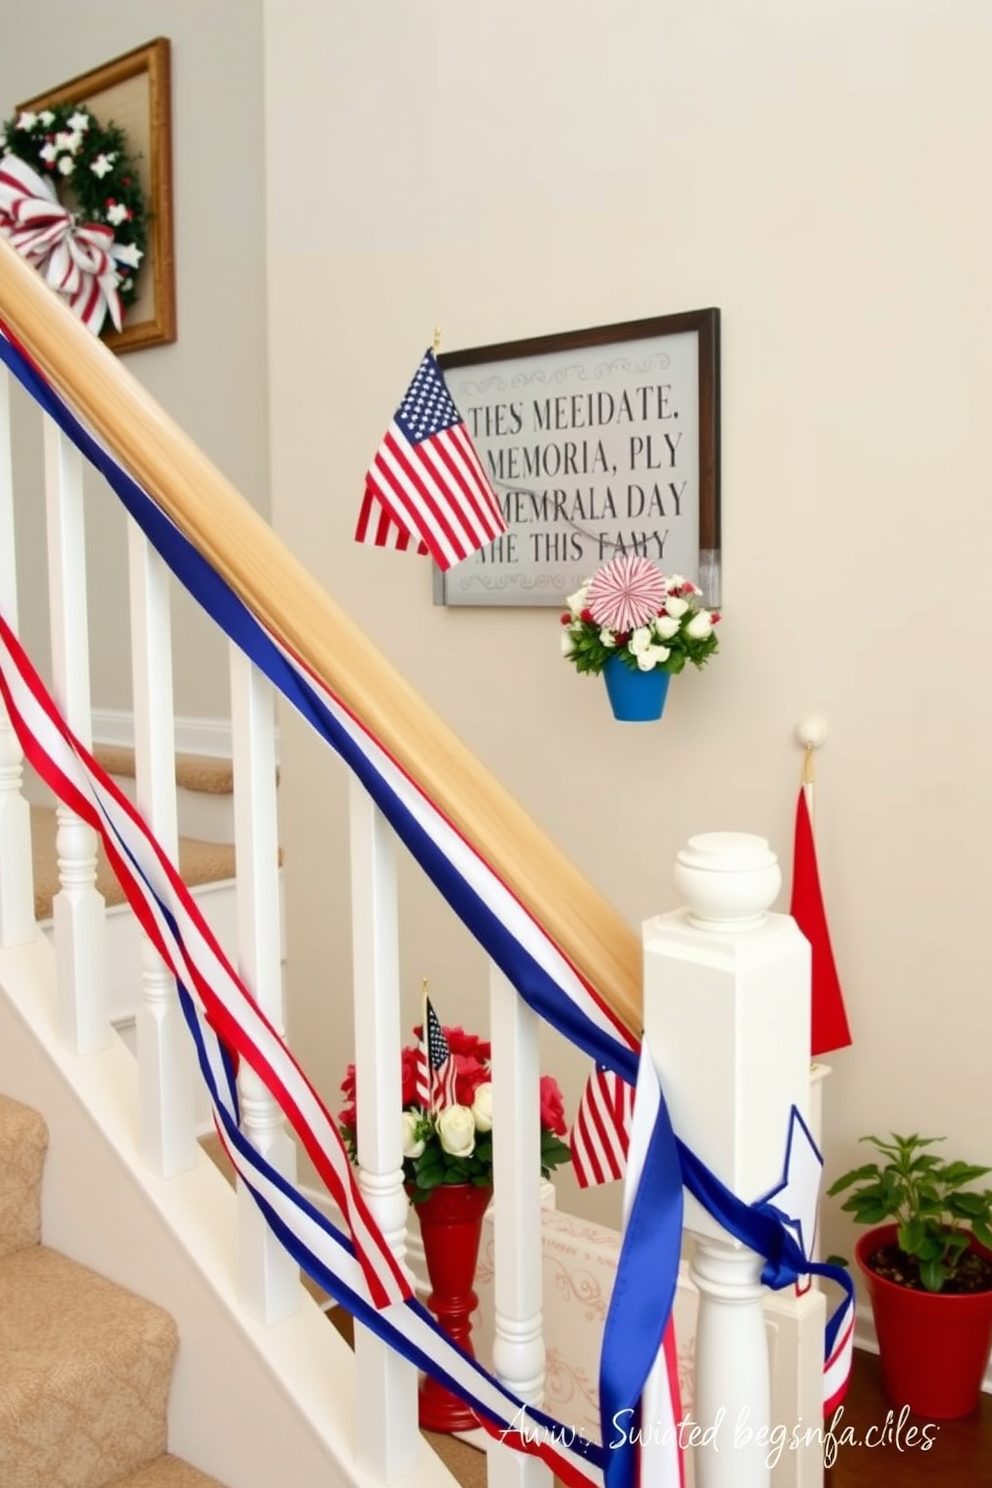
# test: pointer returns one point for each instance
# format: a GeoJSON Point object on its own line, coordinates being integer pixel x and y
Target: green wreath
{"type": "Point", "coordinates": [92, 165]}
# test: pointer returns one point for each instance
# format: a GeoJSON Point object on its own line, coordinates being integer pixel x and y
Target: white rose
{"type": "Point", "coordinates": [665, 627]}
{"type": "Point", "coordinates": [482, 1107]}
{"type": "Point", "coordinates": [674, 581]}
{"type": "Point", "coordinates": [567, 644]}
{"type": "Point", "coordinates": [413, 1145]}
{"type": "Point", "coordinates": [66, 166]}
{"type": "Point", "coordinates": [456, 1129]}
{"type": "Point", "coordinates": [640, 640]}
{"type": "Point", "coordinates": [675, 607]}
{"type": "Point", "coordinates": [607, 637]}
{"type": "Point", "coordinates": [700, 625]}
{"type": "Point", "coordinates": [577, 602]}
{"type": "Point", "coordinates": [652, 657]}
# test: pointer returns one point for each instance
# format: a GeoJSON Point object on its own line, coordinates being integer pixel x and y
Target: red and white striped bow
{"type": "Point", "coordinates": [76, 259]}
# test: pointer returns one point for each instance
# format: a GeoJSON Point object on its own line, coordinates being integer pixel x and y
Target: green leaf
{"type": "Point", "coordinates": [982, 1230]}
{"type": "Point", "coordinates": [932, 1275]}
{"type": "Point", "coordinates": [856, 1175]}
{"type": "Point", "coordinates": [912, 1236]}
{"type": "Point", "coordinates": [967, 1205]}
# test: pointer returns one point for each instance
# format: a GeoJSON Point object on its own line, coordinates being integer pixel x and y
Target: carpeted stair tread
{"type": "Point", "coordinates": [23, 1144]}
{"type": "Point", "coordinates": [84, 1362]}
{"type": "Point", "coordinates": [199, 863]}
{"type": "Point", "coordinates": [167, 1472]}
{"type": "Point", "coordinates": [196, 772]}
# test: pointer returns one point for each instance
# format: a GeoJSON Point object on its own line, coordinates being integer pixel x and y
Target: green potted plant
{"type": "Point", "coordinates": [927, 1265]}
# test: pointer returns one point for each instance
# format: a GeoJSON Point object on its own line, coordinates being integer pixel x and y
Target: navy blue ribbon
{"type": "Point", "coordinates": [647, 1271]}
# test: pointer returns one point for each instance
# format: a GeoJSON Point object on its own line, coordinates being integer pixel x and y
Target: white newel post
{"type": "Point", "coordinates": [727, 1018]}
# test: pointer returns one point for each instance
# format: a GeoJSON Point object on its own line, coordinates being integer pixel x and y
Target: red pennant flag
{"type": "Point", "coordinates": [830, 1027]}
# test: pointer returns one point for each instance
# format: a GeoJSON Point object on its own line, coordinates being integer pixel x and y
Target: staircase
{"type": "Point", "coordinates": [263, 1391]}
{"type": "Point", "coordinates": [87, 1365]}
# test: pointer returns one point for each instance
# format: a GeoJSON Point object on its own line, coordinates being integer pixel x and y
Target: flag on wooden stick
{"type": "Point", "coordinates": [600, 1137]}
{"type": "Point", "coordinates": [426, 487]}
{"type": "Point", "coordinates": [830, 1028]}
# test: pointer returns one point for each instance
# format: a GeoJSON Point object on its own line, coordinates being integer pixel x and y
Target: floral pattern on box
{"type": "Point", "coordinates": [580, 1263]}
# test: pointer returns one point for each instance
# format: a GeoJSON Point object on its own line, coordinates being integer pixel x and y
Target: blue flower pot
{"type": "Point", "coordinates": [635, 697]}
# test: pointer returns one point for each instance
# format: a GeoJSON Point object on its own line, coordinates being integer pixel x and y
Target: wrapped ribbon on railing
{"type": "Point", "coordinates": [541, 974]}
{"type": "Point", "coordinates": [76, 259]}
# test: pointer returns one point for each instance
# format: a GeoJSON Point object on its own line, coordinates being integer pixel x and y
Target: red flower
{"type": "Point", "coordinates": [408, 1069]}
{"type": "Point", "coordinates": [460, 1042]}
{"type": "Point", "coordinates": [586, 616]}
{"type": "Point", "coordinates": [471, 1073]}
{"type": "Point", "coordinates": [566, 619]}
{"type": "Point", "coordinates": [347, 1116]}
{"type": "Point", "coordinates": [552, 1106]}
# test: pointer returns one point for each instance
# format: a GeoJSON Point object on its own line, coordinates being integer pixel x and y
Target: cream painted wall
{"type": "Point", "coordinates": [817, 172]}
{"type": "Point", "coordinates": [213, 379]}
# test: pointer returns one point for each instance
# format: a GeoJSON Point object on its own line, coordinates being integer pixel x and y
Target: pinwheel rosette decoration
{"type": "Point", "coordinates": [633, 613]}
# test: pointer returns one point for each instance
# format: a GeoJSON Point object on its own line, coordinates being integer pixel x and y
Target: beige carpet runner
{"type": "Point", "coordinates": [85, 1366]}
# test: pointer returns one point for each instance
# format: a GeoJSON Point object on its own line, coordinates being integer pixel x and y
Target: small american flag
{"type": "Point", "coordinates": [436, 1072]}
{"type": "Point", "coordinates": [600, 1135]}
{"type": "Point", "coordinates": [426, 487]}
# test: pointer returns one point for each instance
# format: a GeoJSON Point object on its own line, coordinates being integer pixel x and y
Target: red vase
{"type": "Point", "coordinates": [451, 1228]}
{"type": "Point", "coordinates": [933, 1347]}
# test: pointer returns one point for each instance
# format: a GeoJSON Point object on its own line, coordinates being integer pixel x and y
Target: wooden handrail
{"type": "Point", "coordinates": [285, 596]}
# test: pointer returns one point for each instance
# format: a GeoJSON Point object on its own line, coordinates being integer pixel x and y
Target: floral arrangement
{"type": "Point", "coordinates": [448, 1138]}
{"type": "Point", "coordinates": [66, 144]}
{"type": "Point", "coordinates": [631, 610]}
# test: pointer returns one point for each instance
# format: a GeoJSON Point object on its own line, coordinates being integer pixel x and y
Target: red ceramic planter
{"type": "Point", "coordinates": [933, 1348]}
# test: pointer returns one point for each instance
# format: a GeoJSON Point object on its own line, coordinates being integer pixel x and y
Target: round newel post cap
{"type": "Point", "coordinates": [727, 880]}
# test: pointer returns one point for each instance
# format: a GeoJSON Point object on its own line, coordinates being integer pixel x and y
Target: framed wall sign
{"type": "Point", "coordinates": [597, 442]}
{"type": "Point", "coordinates": [134, 92]}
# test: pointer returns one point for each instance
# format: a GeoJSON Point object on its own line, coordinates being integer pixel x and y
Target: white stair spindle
{"type": "Point", "coordinates": [269, 1278]}
{"type": "Point", "coordinates": [518, 1343]}
{"type": "Point", "coordinates": [78, 910]}
{"type": "Point", "coordinates": [165, 1051]}
{"type": "Point", "coordinates": [726, 1009]}
{"type": "Point", "coordinates": [388, 1442]}
{"type": "Point", "coordinates": [17, 923]}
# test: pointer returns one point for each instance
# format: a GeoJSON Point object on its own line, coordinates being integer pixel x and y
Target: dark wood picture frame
{"type": "Point", "coordinates": [510, 391]}
{"type": "Point", "coordinates": [134, 91]}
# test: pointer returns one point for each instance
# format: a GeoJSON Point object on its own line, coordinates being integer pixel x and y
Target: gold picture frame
{"type": "Point", "coordinates": [135, 93]}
